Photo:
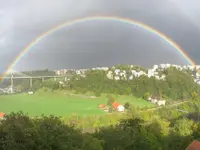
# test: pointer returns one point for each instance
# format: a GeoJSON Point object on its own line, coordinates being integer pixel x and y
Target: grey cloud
{"type": "Point", "coordinates": [96, 43]}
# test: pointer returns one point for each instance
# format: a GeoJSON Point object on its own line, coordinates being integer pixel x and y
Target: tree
{"type": "Point", "coordinates": [184, 127]}
{"type": "Point", "coordinates": [194, 95]}
{"type": "Point", "coordinates": [146, 95]}
{"type": "Point", "coordinates": [36, 85]}
{"type": "Point", "coordinates": [110, 100]}
{"type": "Point", "coordinates": [53, 85]}
{"type": "Point", "coordinates": [20, 88]}
{"type": "Point", "coordinates": [127, 105]}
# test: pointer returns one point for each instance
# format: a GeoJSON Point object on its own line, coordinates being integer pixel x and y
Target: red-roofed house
{"type": "Point", "coordinates": [2, 115]}
{"type": "Point", "coordinates": [195, 145]}
{"type": "Point", "coordinates": [118, 107]}
{"type": "Point", "coordinates": [102, 106]}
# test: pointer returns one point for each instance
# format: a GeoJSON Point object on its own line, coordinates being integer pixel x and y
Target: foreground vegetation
{"type": "Point", "coordinates": [136, 130]}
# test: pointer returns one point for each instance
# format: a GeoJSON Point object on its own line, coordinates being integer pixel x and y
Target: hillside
{"type": "Point", "coordinates": [170, 83]}
{"type": "Point", "coordinates": [84, 126]}
{"type": "Point", "coordinates": [167, 81]}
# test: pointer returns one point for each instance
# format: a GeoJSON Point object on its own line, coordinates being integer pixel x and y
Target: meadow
{"type": "Point", "coordinates": [61, 103]}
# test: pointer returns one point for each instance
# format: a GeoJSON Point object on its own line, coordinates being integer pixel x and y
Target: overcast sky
{"type": "Point", "coordinates": [97, 43]}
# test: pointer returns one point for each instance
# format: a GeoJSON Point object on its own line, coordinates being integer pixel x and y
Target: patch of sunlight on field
{"type": "Point", "coordinates": [61, 104]}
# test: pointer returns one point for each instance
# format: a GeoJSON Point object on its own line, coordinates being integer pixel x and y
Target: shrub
{"type": "Point", "coordinates": [127, 105]}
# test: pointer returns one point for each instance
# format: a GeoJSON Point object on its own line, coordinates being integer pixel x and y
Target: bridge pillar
{"type": "Point", "coordinates": [12, 84]}
{"type": "Point", "coordinates": [31, 83]}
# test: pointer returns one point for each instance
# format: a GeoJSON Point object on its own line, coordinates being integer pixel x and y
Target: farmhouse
{"type": "Point", "coordinates": [157, 100]}
{"type": "Point", "coordinates": [161, 102]}
{"type": "Point", "coordinates": [2, 115]}
{"type": "Point", "coordinates": [115, 106]}
{"type": "Point", "coordinates": [118, 107]}
{"type": "Point", "coordinates": [102, 106]}
{"type": "Point", "coordinates": [30, 92]}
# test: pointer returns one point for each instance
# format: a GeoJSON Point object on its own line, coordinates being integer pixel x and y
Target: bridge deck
{"type": "Point", "coordinates": [29, 77]}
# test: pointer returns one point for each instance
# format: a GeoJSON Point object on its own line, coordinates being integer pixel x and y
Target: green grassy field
{"type": "Point", "coordinates": [61, 104]}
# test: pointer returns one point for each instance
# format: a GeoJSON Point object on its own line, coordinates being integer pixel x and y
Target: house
{"type": "Point", "coordinates": [30, 92]}
{"type": "Point", "coordinates": [118, 107]}
{"type": "Point", "coordinates": [161, 102]}
{"type": "Point", "coordinates": [102, 106]}
{"type": "Point", "coordinates": [157, 100]}
{"type": "Point", "coordinates": [154, 99]}
{"type": "Point", "coordinates": [195, 145]}
{"type": "Point", "coordinates": [58, 72]}
{"type": "Point", "coordinates": [2, 115]}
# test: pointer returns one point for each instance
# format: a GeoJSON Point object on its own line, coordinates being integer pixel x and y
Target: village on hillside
{"type": "Point", "coordinates": [114, 73]}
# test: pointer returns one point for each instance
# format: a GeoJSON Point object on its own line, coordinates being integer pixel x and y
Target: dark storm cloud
{"type": "Point", "coordinates": [102, 43]}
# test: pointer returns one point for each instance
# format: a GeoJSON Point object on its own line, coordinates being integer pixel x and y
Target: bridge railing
{"type": "Point", "coordinates": [37, 77]}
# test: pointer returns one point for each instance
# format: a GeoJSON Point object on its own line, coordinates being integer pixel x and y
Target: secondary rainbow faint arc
{"type": "Point", "coordinates": [93, 18]}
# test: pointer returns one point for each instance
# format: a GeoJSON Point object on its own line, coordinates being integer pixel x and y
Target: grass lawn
{"type": "Point", "coordinates": [60, 104]}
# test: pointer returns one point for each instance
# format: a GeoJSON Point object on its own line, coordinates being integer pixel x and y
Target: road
{"type": "Point", "coordinates": [172, 105]}
{"type": "Point", "coordinates": [29, 77]}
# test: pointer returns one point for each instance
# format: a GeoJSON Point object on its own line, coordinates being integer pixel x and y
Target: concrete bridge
{"type": "Point", "coordinates": [33, 77]}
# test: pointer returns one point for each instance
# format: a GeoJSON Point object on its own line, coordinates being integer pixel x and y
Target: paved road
{"type": "Point", "coordinates": [29, 77]}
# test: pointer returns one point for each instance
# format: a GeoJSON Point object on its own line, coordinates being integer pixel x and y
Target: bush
{"type": "Point", "coordinates": [127, 105]}
{"type": "Point", "coordinates": [146, 95]}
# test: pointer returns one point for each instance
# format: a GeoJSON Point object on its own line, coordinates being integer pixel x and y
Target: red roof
{"type": "Point", "coordinates": [115, 105]}
{"type": "Point", "coordinates": [102, 106]}
{"type": "Point", "coordinates": [2, 114]}
{"type": "Point", "coordinates": [195, 145]}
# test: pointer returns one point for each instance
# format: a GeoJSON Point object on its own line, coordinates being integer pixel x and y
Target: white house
{"type": "Point", "coordinates": [154, 101]}
{"type": "Point", "coordinates": [161, 102]}
{"type": "Point", "coordinates": [117, 78]}
{"type": "Point", "coordinates": [30, 93]}
{"type": "Point", "coordinates": [120, 108]}
{"type": "Point", "coordinates": [157, 100]}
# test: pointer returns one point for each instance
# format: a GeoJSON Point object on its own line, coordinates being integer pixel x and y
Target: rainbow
{"type": "Point", "coordinates": [93, 18]}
